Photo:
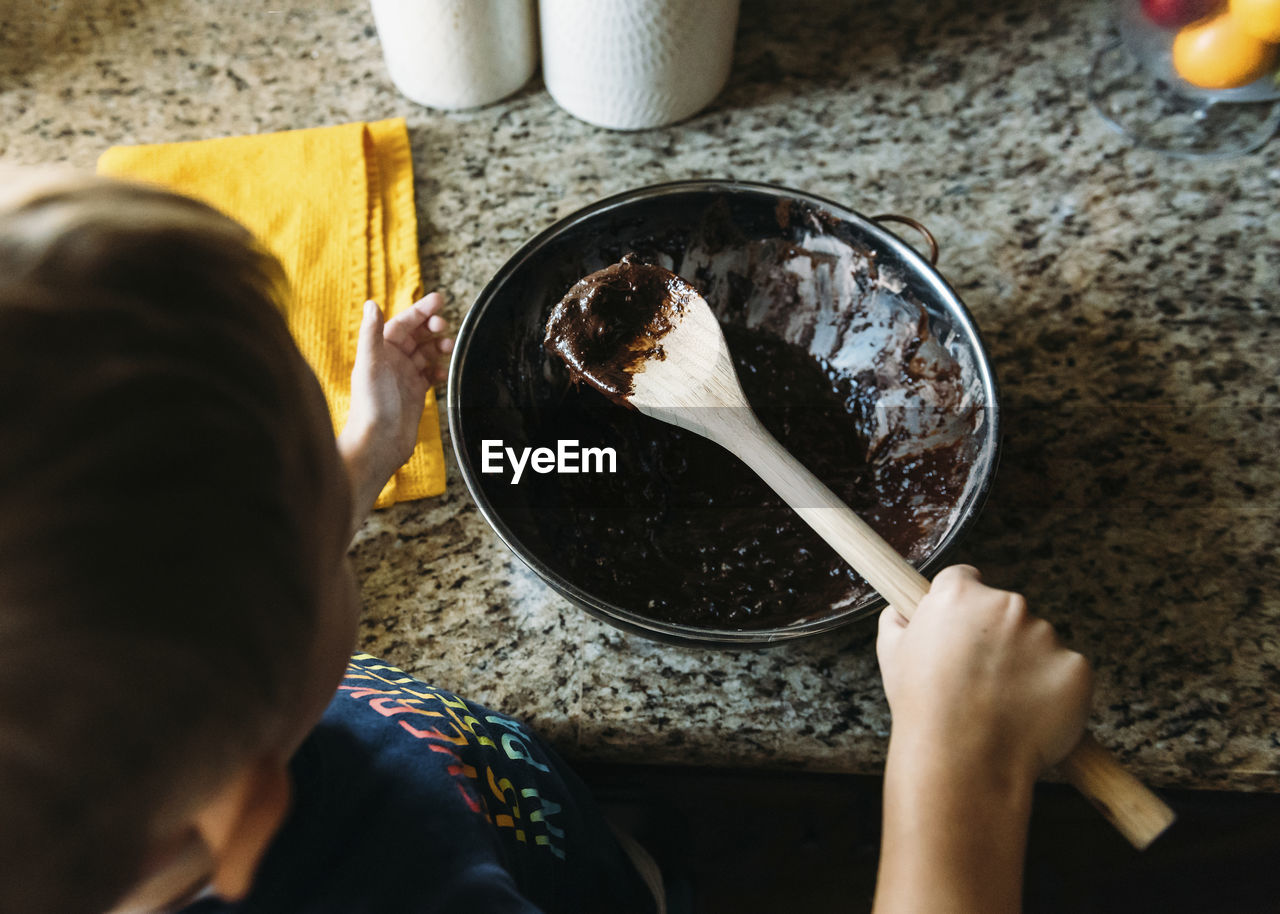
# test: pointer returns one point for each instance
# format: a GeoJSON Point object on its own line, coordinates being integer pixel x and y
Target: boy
{"type": "Point", "coordinates": [177, 610]}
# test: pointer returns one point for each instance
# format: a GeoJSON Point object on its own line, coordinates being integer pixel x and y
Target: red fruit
{"type": "Point", "coordinates": [1172, 14]}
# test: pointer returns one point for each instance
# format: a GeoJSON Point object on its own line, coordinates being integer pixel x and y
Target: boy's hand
{"type": "Point", "coordinates": [984, 697]}
{"type": "Point", "coordinates": [976, 679]}
{"type": "Point", "coordinates": [397, 361]}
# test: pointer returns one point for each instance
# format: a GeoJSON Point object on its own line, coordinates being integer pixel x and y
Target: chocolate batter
{"type": "Point", "coordinates": [613, 320]}
{"type": "Point", "coordinates": [686, 533]}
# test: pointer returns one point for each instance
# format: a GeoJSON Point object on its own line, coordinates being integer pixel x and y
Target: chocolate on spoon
{"type": "Point", "coordinates": [613, 321]}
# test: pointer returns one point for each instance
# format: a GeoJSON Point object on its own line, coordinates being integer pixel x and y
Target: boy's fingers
{"type": "Point", "coordinates": [959, 573]}
{"type": "Point", "coordinates": [425, 307]}
{"type": "Point", "coordinates": [892, 627]}
{"type": "Point", "coordinates": [407, 321]}
{"type": "Point", "coordinates": [417, 321]}
{"type": "Point", "coordinates": [428, 328]}
{"type": "Point", "coordinates": [892, 621]}
{"type": "Point", "coordinates": [948, 583]}
{"type": "Point", "coordinates": [400, 328]}
{"type": "Point", "coordinates": [370, 329]}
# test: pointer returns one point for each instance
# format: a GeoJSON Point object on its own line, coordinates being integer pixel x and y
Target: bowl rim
{"type": "Point", "coordinates": [690, 635]}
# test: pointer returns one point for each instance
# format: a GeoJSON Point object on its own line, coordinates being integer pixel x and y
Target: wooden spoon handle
{"type": "Point", "coordinates": [1126, 802]}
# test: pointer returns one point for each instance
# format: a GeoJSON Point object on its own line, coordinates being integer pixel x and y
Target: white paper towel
{"type": "Point", "coordinates": [457, 53]}
{"type": "Point", "coordinates": [631, 64]}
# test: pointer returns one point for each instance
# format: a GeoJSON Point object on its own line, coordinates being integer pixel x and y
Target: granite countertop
{"type": "Point", "coordinates": [1129, 302]}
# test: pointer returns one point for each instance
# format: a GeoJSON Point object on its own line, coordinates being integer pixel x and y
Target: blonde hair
{"type": "Point", "coordinates": [157, 488]}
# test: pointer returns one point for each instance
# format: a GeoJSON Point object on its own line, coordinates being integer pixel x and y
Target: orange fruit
{"type": "Point", "coordinates": [1216, 53]}
{"type": "Point", "coordinates": [1260, 18]}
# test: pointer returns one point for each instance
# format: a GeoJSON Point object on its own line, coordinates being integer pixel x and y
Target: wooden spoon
{"type": "Point", "coordinates": [672, 363]}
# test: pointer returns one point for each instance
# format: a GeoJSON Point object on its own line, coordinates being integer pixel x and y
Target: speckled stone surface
{"type": "Point", "coordinates": [1130, 303]}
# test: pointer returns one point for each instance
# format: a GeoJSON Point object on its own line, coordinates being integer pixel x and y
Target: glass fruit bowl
{"type": "Point", "coordinates": [1191, 78]}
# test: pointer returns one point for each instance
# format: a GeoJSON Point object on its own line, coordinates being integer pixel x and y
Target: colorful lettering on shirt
{"type": "Point", "coordinates": [447, 724]}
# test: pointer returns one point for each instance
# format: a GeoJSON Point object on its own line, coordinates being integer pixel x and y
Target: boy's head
{"type": "Point", "coordinates": [175, 607]}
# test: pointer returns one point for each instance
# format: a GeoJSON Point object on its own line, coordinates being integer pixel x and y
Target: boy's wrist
{"type": "Point", "coordinates": [359, 456]}
{"type": "Point", "coordinates": [960, 765]}
{"type": "Point", "coordinates": [369, 450]}
{"type": "Point", "coordinates": [955, 826]}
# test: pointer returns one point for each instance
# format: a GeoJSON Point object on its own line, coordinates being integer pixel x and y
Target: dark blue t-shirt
{"type": "Point", "coordinates": [411, 800]}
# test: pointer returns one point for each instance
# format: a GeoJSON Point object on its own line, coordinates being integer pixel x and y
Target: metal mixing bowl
{"type": "Point", "coordinates": [499, 365]}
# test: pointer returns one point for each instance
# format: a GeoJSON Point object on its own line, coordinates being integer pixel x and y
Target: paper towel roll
{"type": "Point", "coordinates": [631, 64]}
{"type": "Point", "coordinates": [457, 53]}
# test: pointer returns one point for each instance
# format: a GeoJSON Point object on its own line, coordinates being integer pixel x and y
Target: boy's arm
{"type": "Point", "coordinates": [397, 361]}
{"type": "Point", "coordinates": [984, 698]}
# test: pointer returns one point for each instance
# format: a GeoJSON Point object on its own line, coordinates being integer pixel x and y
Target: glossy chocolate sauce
{"type": "Point", "coordinates": [686, 533]}
{"type": "Point", "coordinates": [613, 320]}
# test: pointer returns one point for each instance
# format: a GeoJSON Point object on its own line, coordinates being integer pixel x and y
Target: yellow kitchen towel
{"type": "Point", "coordinates": [335, 205]}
